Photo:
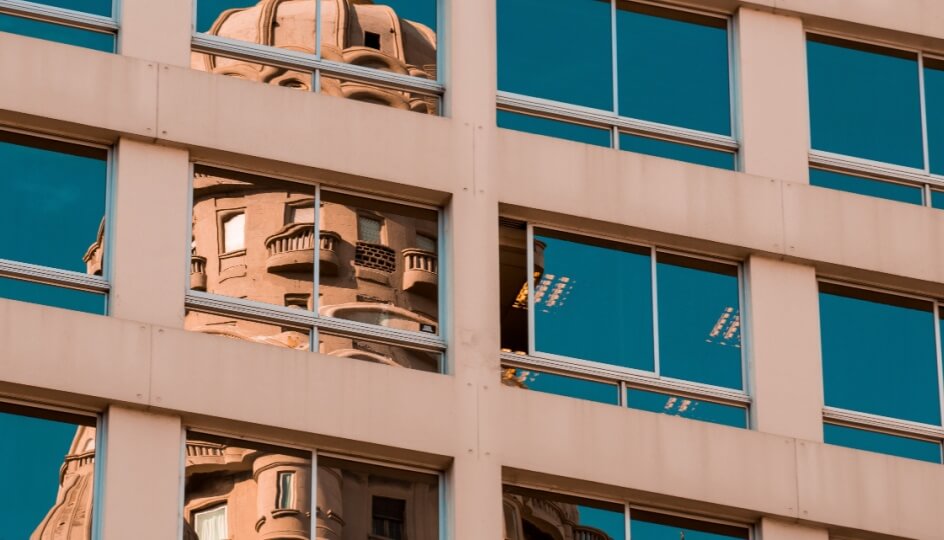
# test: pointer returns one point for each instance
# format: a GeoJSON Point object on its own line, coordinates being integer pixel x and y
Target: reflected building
{"type": "Point", "coordinates": [533, 518]}
{"type": "Point", "coordinates": [70, 518]}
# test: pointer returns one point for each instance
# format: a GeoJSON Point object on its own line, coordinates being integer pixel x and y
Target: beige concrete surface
{"type": "Point", "coordinates": [149, 234]}
{"type": "Point", "coordinates": [785, 359]}
{"type": "Point", "coordinates": [775, 529]}
{"type": "Point", "coordinates": [142, 475]}
{"type": "Point", "coordinates": [157, 31]}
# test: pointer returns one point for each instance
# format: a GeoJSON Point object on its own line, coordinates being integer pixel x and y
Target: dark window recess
{"type": "Point", "coordinates": [366, 298]}
{"type": "Point", "coordinates": [372, 40]}
{"type": "Point", "coordinates": [388, 517]}
{"type": "Point", "coordinates": [375, 256]}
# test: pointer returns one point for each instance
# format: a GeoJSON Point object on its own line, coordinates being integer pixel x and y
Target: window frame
{"type": "Point", "coordinates": [623, 377]}
{"type": "Point", "coordinates": [315, 65]}
{"type": "Point", "coordinates": [612, 122]}
{"type": "Point", "coordinates": [310, 320]}
{"type": "Point", "coordinates": [70, 279]}
{"type": "Point", "coordinates": [884, 424]}
{"type": "Point", "coordinates": [870, 169]}
{"type": "Point", "coordinates": [66, 17]}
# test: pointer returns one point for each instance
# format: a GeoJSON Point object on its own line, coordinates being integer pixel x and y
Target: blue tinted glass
{"type": "Point", "coordinates": [866, 186]}
{"type": "Point", "coordinates": [49, 295]}
{"type": "Point", "coordinates": [563, 386]}
{"type": "Point", "coordinates": [209, 10]}
{"type": "Point", "coordinates": [95, 7]}
{"type": "Point", "coordinates": [421, 11]}
{"type": "Point", "coordinates": [937, 199]}
{"type": "Point", "coordinates": [613, 524]}
{"type": "Point", "coordinates": [52, 201]}
{"type": "Point", "coordinates": [934, 109]}
{"type": "Point", "coordinates": [35, 450]}
{"type": "Point", "coordinates": [681, 152]}
{"type": "Point", "coordinates": [699, 321]}
{"type": "Point", "coordinates": [594, 302]}
{"type": "Point", "coordinates": [553, 128]}
{"type": "Point", "coordinates": [673, 70]}
{"type": "Point", "coordinates": [882, 443]}
{"type": "Point", "coordinates": [865, 102]}
{"type": "Point", "coordinates": [535, 60]}
{"type": "Point", "coordinates": [651, 526]}
{"type": "Point", "coordinates": [686, 407]}
{"type": "Point", "coordinates": [57, 32]}
{"type": "Point", "coordinates": [879, 354]}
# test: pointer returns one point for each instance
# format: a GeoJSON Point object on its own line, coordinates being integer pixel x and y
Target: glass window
{"type": "Point", "coordinates": [673, 67]}
{"type": "Point", "coordinates": [681, 152]}
{"type": "Point", "coordinates": [379, 352]}
{"type": "Point", "coordinates": [231, 485]}
{"type": "Point", "coordinates": [883, 443]}
{"type": "Point", "coordinates": [426, 243]}
{"type": "Point", "coordinates": [95, 7]}
{"type": "Point", "coordinates": [687, 407]}
{"type": "Point", "coordinates": [561, 385]}
{"type": "Point", "coordinates": [699, 320]}
{"type": "Point", "coordinates": [234, 233]}
{"type": "Point", "coordinates": [593, 300]}
{"type": "Point", "coordinates": [879, 354]}
{"type": "Point", "coordinates": [51, 458]}
{"type": "Point", "coordinates": [369, 229]}
{"type": "Point", "coordinates": [646, 525]}
{"type": "Point", "coordinates": [866, 186]}
{"type": "Point", "coordinates": [554, 128]}
{"type": "Point", "coordinates": [934, 110]}
{"type": "Point", "coordinates": [245, 329]}
{"type": "Point", "coordinates": [393, 504]}
{"type": "Point", "coordinates": [937, 199]}
{"type": "Point", "coordinates": [70, 35]}
{"type": "Point", "coordinates": [576, 70]}
{"type": "Point", "coordinates": [865, 101]}
{"type": "Point", "coordinates": [51, 295]}
{"type": "Point", "coordinates": [577, 517]}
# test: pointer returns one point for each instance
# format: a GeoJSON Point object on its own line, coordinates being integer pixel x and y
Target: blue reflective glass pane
{"type": "Point", "coordinates": [883, 443]}
{"type": "Point", "coordinates": [34, 450]}
{"type": "Point", "coordinates": [686, 407]}
{"type": "Point", "coordinates": [879, 354]}
{"type": "Point", "coordinates": [420, 11]}
{"type": "Point", "coordinates": [208, 11]}
{"type": "Point", "coordinates": [95, 7]}
{"type": "Point", "coordinates": [646, 525]}
{"type": "Point", "coordinates": [57, 32]}
{"type": "Point", "coordinates": [52, 201]}
{"type": "Point", "coordinates": [934, 107]}
{"type": "Point", "coordinates": [533, 59]}
{"type": "Point", "coordinates": [553, 128]}
{"type": "Point", "coordinates": [594, 302]}
{"type": "Point", "coordinates": [586, 519]}
{"type": "Point", "coordinates": [866, 186]}
{"type": "Point", "coordinates": [563, 386]}
{"type": "Point", "coordinates": [681, 152]}
{"type": "Point", "coordinates": [937, 199]}
{"type": "Point", "coordinates": [50, 295]}
{"type": "Point", "coordinates": [673, 68]}
{"type": "Point", "coordinates": [699, 321]}
{"type": "Point", "coordinates": [865, 102]}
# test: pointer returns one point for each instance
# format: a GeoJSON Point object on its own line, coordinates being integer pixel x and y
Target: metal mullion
{"type": "Point", "coordinates": [60, 15]}
{"type": "Point", "coordinates": [614, 58]}
{"type": "Point", "coordinates": [562, 371]}
{"type": "Point", "coordinates": [922, 96]}
{"type": "Point", "coordinates": [882, 423]}
{"type": "Point", "coordinates": [318, 30]}
{"type": "Point", "coordinates": [926, 192]}
{"type": "Point", "coordinates": [628, 520]}
{"type": "Point", "coordinates": [529, 274]}
{"type": "Point", "coordinates": [110, 202]}
{"type": "Point", "coordinates": [878, 170]}
{"type": "Point", "coordinates": [734, 85]}
{"type": "Point", "coordinates": [313, 515]}
{"type": "Point", "coordinates": [654, 283]}
{"type": "Point", "coordinates": [316, 267]}
{"type": "Point", "coordinates": [623, 397]}
{"type": "Point", "coordinates": [742, 321]}
{"type": "Point", "coordinates": [717, 394]}
{"type": "Point", "coordinates": [53, 276]}
{"type": "Point", "coordinates": [189, 239]}
{"type": "Point", "coordinates": [98, 475]}
{"type": "Point", "coordinates": [249, 309]}
{"type": "Point", "coordinates": [940, 364]}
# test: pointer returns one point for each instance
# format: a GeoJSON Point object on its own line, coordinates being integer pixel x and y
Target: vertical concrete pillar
{"type": "Point", "coordinates": [785, 352]}
{"type": "Point", "coordinates": [774, 103]}
{"type": "Point", "coordinates": [772, 529]}
{"type": "Point", "coordinates": [156, 30]}
{"type": "Point", "coordinates": [141, 497]}
{"type": "Point", "coordinates": [149, 234]}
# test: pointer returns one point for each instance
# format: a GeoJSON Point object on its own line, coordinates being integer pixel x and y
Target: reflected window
{"type": "Point", "coordinates": [211, 524]}
{"type": "Point", "coordinates": [892, 191]}
{"type": "Point", "coordinates": [934, 111]}
{"type": "Point", "coordinates": [45, 21]}
{"type": "Point", "coordinates": [234, 233]}
{"type": "Point", "coordinates": [285, 498]}
{"type": "Point", "coordinates": [426, 243]}
{"type": "Point", "coordinates": [51, 459]}
{"type": "Point", "coordinates": [304, 213]}
{"type": "Point", "coordinates": [388, 517]}
{"type": "Point", "coordinates": [368, 229]}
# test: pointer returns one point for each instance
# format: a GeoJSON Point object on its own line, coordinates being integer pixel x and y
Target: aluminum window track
{"type": "Point", "coordinates": [847, 164]}
{"type": "Point", "coordinates": [52, 276]}
{"type": "Point", "coordinates": [59, 15]}
{"type": "Point", "coordinates": [866, 420]}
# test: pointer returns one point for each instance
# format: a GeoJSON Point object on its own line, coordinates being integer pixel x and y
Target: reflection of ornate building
{"type": "Point", "coordinates": [353, 32]}
{"type": "Point", "coordinates": [531, 518]}
{"type": "Point", "coordinates": [71, 516]}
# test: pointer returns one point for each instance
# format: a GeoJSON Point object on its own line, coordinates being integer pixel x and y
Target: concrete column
{"type": "Point", "coordinates": [149, 234]}
{"type": "Point", "coordinates": [785, 350]}
{"type": "Point", "coordinates": [142, 476]}
{"type": "Point", "coordinates": [775, 118]}
{"type": "Point", "coordinates": [772, 529]}
{"type": "Point", "coordinates": [156, 30]}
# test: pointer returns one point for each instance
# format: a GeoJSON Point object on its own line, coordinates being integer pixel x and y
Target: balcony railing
{"type": "Point", "coordinates": [328, 259]}
{"type": "Point", "coordinates": [376, 256]}
{"type": "Point", "coordinates": [421, 271]}
{"type": "Point", "coordinates": [292, 248]}
{"type": "Point", "coordinates": [198, 277]}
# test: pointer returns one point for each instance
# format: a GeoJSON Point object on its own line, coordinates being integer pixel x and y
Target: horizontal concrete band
{"type": "Point", "coordinates": [676, 461]}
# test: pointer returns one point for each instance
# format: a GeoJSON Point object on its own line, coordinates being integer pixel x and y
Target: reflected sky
{"type": "Point", "coordinates": [49, 295]}
{"type": "Point", "coordinates": [650, 526]}
{"type": "Point", "coordinates": [934, 109]}
{"type": "Point", "coordinates": [552, 383]}
{"type": "Point", "coordinates": [33, 450]}
{"type": "Point", "coordinates": [686, 407]}
{"type": "Point", "coordinates": [882, 443]}
{"type": "Point", "coordinates": [57, 32]}
{"type": "Point", "coordinates": [673, 70]}
{"type": "Point", "coordinates": [879, 354]}
{"type": "Point", "coordinates": [612, 523]}
{"type": "Point", "coordinates": [866, 186]}
{"type": "Point", "coordinates": [209, 10]}
{"type": "Point", "coordinates": [595, 303]}
{"type": "Point", "coordinates": [937, 199]}
{"type": "Point", "coordinates": [53, 200]}
{"type": "Point", "coordinates": [534, 61]}
{"type": "Point", "coordinates": [554, 128]}
{"type": "Point", "coordinates": [699, 321]}
{"type": "Point", "coordinates": [864, 101]}
{"type": "Point", "coordinates": [96, 7]}
{"type": "Point", "coordinates": [421, 11]}
{"type": "Point", "coordinates": [681, 152]}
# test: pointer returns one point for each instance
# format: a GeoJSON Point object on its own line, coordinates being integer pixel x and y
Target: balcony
{"type": "Point", "coordinates": [421, 272]}
{"type": "Point", "coordinates": [589, 533]}
{"type": "Point", "coordinates": [198, 277]}
{"type": "Point", "coordinates": [328, 259]}
{"type": "Point", "coordinates": [291, 249]}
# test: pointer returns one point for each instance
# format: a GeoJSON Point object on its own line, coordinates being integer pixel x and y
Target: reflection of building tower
{"type": "Point", "coordinates": [71, 516]}
{"type": "Point", "coordinates": [353, 32]}
{"type": "Point", "coordinates": [530, 518]}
